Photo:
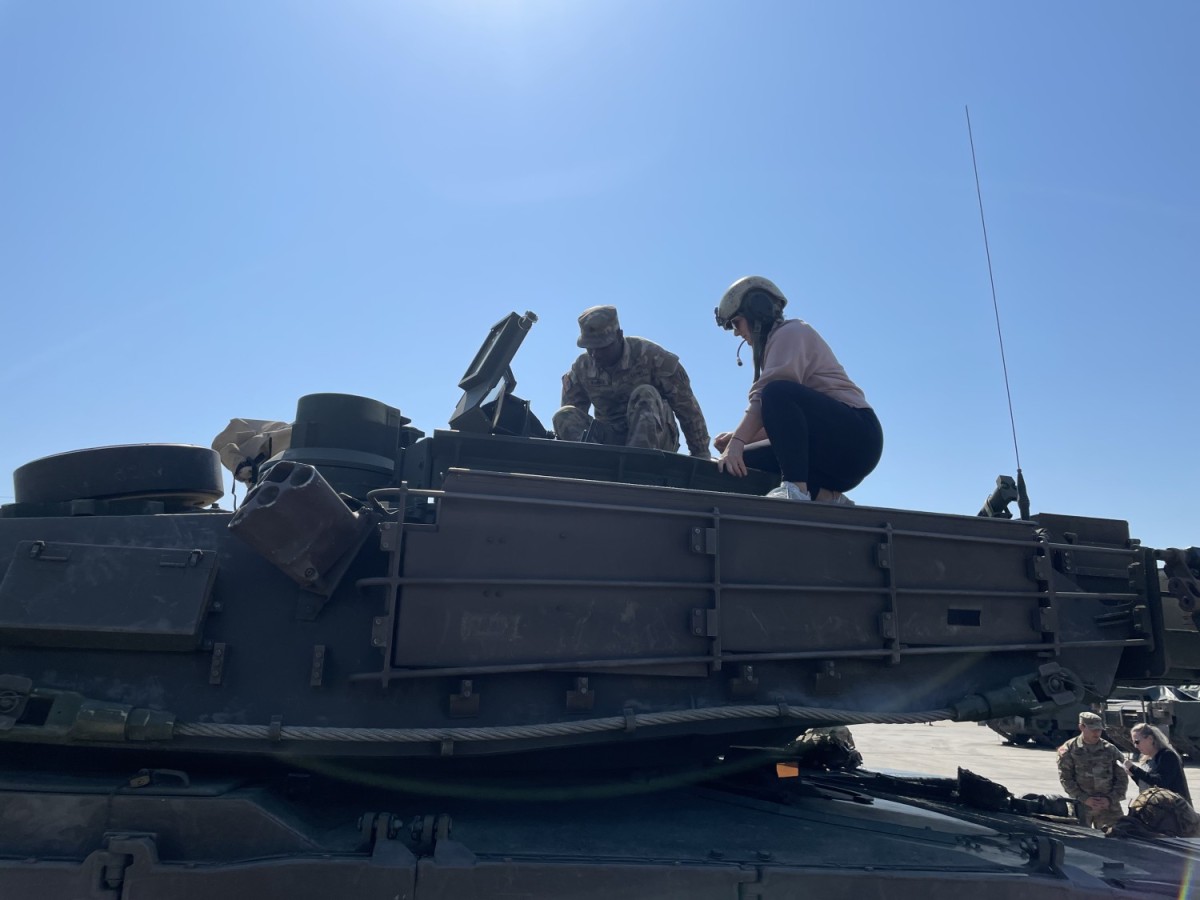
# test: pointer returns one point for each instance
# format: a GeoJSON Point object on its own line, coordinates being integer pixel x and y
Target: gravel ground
{"type": "Point", "coordinates": [940, 748]}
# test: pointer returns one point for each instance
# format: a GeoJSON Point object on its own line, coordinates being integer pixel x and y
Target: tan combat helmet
{"type": "Point", "coordinates": [754, 297]}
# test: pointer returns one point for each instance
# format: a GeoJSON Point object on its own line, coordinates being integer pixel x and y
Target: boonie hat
{"type": "Point", "coordinates": [598, 327]}
{"type": "Point", "coordinates": [1091, 720]}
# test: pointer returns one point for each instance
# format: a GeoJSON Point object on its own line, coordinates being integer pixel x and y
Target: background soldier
{"type": "Point", "coordinates": [1090, 770]}
{"type": "Point", "coordinates": [636, 387]}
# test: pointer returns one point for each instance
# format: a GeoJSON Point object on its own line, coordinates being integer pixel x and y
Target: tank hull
{"type": "Point", "coordinates": [513, 613]}
{"type": "Point", "coordinates": [165, 835]}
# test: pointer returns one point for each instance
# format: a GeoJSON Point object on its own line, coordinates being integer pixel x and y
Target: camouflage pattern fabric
{"type": "Point", "coordinates": [598, 327]}
{"type": "Point", "coordinates": [625, 415]}
{"type": "Point", "coordinates": [1093, 771]}
{"type": "Point", "coordinates": [1157, 811]}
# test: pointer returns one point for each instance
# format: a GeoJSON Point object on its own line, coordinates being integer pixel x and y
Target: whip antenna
{"type": "Point", "coordinates": [1022, 496]}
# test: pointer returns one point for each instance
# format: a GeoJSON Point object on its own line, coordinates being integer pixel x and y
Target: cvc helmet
{"type": "Point", "coordinates": [754, 297]}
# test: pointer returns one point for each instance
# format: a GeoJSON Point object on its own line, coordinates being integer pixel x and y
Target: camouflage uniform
{"type": "Point", "coordinates": [636, 401]}
{"type": "Point", "coordinates": [1091, 770]}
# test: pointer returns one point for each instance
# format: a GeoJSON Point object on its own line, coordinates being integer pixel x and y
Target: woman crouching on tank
{"type": "Point", "coordinates": [1163, 765]}
{"type": "Point", "coordinates": [806, 419]}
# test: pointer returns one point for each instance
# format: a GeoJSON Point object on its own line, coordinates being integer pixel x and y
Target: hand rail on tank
{"type": "Point", "coordinates": [889, 627]}
{"type": "Point", "coordinates": [384, 628]}
{"type": "Point", "coordinates": [799, 655]}
{"type": "Point", "coordinates": [391, 539]}
{"type": "Point", "coordinates": [741, 586]}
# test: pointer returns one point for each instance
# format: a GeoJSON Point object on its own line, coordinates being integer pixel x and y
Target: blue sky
{"type": "Point", "coordinates": [209, 210]}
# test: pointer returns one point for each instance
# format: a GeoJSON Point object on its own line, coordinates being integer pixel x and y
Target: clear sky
{"type": "Point", "coordinates": [210, 209]}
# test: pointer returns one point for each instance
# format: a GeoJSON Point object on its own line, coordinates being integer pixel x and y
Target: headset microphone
{"type": "Point", "coordinates": [739, 352]}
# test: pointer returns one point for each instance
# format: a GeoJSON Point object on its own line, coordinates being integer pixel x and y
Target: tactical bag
{"type": "Point", "coordinates": [829, 748]}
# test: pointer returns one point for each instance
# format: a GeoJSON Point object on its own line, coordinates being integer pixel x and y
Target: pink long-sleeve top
{"type": "Point", "coordinates": [795, 352]}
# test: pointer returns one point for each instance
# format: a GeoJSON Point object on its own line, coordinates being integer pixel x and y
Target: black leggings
{"type": "Point", "coordinates": [816, 439]}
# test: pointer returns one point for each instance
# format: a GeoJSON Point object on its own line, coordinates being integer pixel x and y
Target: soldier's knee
{"type": "Point", "coordinates": [645, 395]}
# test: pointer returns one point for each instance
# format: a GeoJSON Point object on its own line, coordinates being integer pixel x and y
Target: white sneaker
{"type": "Point", "coordinates": [788, 491]}
{"type": "Point", "coordinates": [841, 500]}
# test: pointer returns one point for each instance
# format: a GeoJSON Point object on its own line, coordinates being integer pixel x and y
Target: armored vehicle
{"type": "Point", "coordinates": [263, 701]}
{"type": "Point", "coordinates": [1047, 729]}
{"type": "Point", "coordinates": [1173, 708]}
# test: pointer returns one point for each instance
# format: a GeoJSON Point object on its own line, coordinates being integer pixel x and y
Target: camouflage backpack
{"type": "Point", "coordinates": [1157, 811]}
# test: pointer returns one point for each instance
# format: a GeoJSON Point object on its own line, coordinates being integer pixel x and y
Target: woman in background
{"type": "Point", "coordinates": [1163, 765]}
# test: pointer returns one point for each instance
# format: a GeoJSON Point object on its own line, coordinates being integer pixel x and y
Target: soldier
{"type": "Point", "coordinates": [1090, 770]}
{"type": "Point", "coordinates": [636, 387]}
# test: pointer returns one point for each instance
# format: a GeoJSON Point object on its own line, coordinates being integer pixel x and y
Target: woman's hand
{"type": "Point", "coordinates": [731, 457]}
{"type": "Point", "coordinates": [721, 441]}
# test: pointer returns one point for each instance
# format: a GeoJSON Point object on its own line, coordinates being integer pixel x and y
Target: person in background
{"type": "Point", "coordinates": [636, 388]}
{"type": "Point", "coordinates": [1163, 765]}
{"type": "Point", "coordinates": [806, 419]}
{"type": "Point", "coordinates": [1092, 773]}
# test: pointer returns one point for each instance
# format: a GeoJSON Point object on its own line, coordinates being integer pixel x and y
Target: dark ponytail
{"type": "Point", "coordinates": [763, 312]}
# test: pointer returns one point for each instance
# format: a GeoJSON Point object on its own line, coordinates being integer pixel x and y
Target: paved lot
{"type": "Point", "coordinates": [940, 748]}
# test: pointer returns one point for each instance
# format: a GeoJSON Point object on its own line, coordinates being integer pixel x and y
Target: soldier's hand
{"type": "Point", "coordinates": [722, 440]}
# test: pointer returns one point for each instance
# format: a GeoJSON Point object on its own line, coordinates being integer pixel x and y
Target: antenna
{"type": "Point", "coordinates": [1022, 495]}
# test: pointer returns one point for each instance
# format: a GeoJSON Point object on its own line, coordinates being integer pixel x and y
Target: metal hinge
{"type": "Point", "coordinates": [108, 866]}
{"type": "Point", "coordinates": [1040, 568]}
{"type": "Point", "coordinates": [390, 535]}
{"type": "Point", "coordinates": [887, 626]}
{"type": "Point", "coordinates": [704, 540]}
{"type": "Point", "coordinates": [426, 831]}
{"type": "Point", "coordinates": [883, 556]}
{"type": "Point", "coordinates": [1064, 561]}
{"type": "Point", "coordinates": [705, 623]}
{"type": "Point", "coordinates": [111, 874]}
{"type": "Point", "coordinates": [216, 670]}
{"type": "Point", "coordinates": [379, 631]}
{"type": "Point", "coordinates": [316, 675]}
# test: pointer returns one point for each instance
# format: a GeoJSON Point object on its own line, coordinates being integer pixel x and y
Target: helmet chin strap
{"type": "Point", "coordinates": [739, 351]}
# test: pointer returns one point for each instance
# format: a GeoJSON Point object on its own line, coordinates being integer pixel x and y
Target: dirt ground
{"type": "Point", "coordinates": [940, 748]}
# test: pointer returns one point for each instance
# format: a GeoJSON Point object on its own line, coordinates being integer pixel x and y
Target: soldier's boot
{"type": "Point", "coordinates": [651, 422]}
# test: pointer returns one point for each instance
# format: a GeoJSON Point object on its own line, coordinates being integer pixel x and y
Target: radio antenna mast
{"type": "Point", "coordinates": [1022, 495]}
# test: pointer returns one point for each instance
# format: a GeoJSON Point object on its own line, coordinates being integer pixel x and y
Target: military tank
{"type": "Point", "coordinates": [1046, 729]}
{"type": "Point", "coordinates": [1173, 708]}
{"type": "Point", "coordinates": [195, 699]}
